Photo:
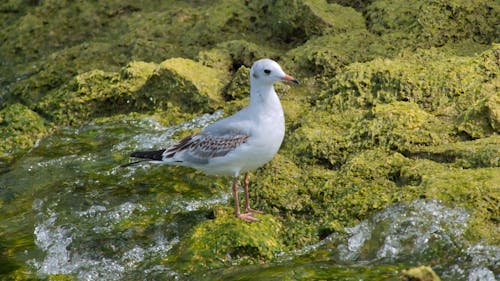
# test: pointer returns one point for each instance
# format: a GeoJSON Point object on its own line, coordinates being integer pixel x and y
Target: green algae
{"type": "Point", "coordinates": [477, 190]}
{"type": "Point", "coordinates": [479, 153]}
{"type": "Point", "coordinates": [228, 240]}
{"type": "Point", "coordinates": [382, 118]}
{"type": "Point", "coordinates": [328, 54]}
{"type": "Point", "coordinates": [428, 23]}
{"type": "Point", "coordinates": [20, 129]}
{"type": "Point", "coordinates": [421, 273]}
{"type": "Point", "coordinates": [140, 86]}
{"type": "Point", "coordinates": [444, 84]}
{"type": "Point", "coordinates": [292, 21]}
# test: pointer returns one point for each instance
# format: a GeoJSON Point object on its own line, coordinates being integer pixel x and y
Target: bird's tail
{"type": "Point", "coordinates": [154, 155]}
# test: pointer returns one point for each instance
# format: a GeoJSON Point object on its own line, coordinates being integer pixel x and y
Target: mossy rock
{"type": "Point", "coordinates": [327, 55]}
{"type": "Point", "coordinates": [140, 86]}
{"type": "Point", "coordinates": [428, 23]}
{"type": "Point", "coordinates": [403, 126]}
{"type": "Point", "coordinates": [188, 84]}
{"type": "Point", "coordinates": [227, 240]}
{"type": "Point", "coordinates": [493, 106]}
{"type": "Point", "coordinates": [475, 121]}
{"type": "Point", "coordinates": [52, 72]}
{"type": "Point", "coordinates": [398, 126]}
{"type": "Point", "coordinates": [229, 56]}
{"type": "Point", "coordinates": [325, 138]}
{"type": "Point", "coordinates": [239, 87]}
{"type": "Point", "coordinates": [20, 128]}
{"type": "Point", "coordinates": [421, 273]}
{"type": "Point", "coordinates": [292, 21]}
{"type": "Point", "coordinates": [442, 84]}
{"type": "Point", "coordinates": [479, 153]}
{"type": "Point", "coordinates": [476, 190]}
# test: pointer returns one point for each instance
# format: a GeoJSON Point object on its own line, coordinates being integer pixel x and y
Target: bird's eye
{"type": "Point", "coordinates": [267, 71]}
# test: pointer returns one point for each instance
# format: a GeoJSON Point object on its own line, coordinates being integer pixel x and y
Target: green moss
{"type": "Point", "coordinates": [466, 154]}
{"type": "Point", "coordinates": [493, 107]}
{"type": "Point", "coordinates": [226, 240]}
{"type": "Point", "coordinates": [421, 273]}
{"type": "Point", "coordinates": [20, 128]}
{"type": "Point", "coordinates": [207, 82]}
{"type": "Point", "coordinates": [239, 87]}
{"type": "Point", "coordinates": [292, 21]}
{"type": "Point", "coordinates": [477, 190]}
{"type": "Point", "coordinates": [328, 54]}
{"type": "Point", "coordinates": [427, 23]}
{"type": "Point", "coordinates": [139, 86]}
{"type": "Point", "coordinates": [441, 84]}
{"type": "Point", "coordinates": [403, 126]}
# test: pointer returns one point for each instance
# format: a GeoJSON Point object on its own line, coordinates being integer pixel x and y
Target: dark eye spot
{"type": "Point", "coordinates": [267, 71]}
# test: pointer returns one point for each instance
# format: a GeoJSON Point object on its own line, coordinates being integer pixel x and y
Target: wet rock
{"type": "Point", "coordinates": [327, 55]}
{"type": "Point", "coordinates": [473, 189]}
{"type": "Point", "coordinates": [421, 273]}
{"type": "Point", "coordinates": [227, 240]}
{"type": "Point", "coordinates": [296, 21]}
{"type": "Point", "coordinates": [20, 128]}
{"type": "Point", "coordinates": [493, 106]}
{"type": "Point", "coordinates": [426, 23]}
{"type": "Point", "coordinates": [139, 87]}
{"type": "Point", "coordinates": [478, 153]}
{"type": "Point", "coordinates": [230, 55]}
{"type": "Point", "coordinates": [441, 84]}
{"type": "Point", "coordinates": [239, 87]}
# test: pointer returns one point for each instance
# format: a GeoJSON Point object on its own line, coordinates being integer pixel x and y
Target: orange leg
{"type": "Point", "coordinates": [246, 217]}
{"type": "Point", "coordinates": [246, 181]}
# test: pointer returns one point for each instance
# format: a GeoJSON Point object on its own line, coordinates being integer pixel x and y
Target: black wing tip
{"type": "Point", "coordinates": [151, 155]}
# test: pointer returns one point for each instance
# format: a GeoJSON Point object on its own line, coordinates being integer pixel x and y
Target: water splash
{"type": "Point", "coordinates": [403, 230]}
{"type": "Point", "coordinates": [60, 239]}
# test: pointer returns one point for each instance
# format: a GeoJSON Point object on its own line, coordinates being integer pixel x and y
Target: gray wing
{"type": "Point", "coordinates": [201, 147]}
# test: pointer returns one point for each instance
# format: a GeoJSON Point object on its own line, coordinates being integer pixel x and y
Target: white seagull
{"type": "Point", "coordinates": [239, 143]}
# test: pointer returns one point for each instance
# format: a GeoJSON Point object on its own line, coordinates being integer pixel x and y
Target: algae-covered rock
{"type": "Point", "coordinates": [227, 240]}
{"type": "Point", "coordinates": [444, 85]}
{"type": "Point", "coordinates": [328, 54]}
{"type": "Point", "coordinates": [479, 153]}
{"type": "Point", "coordinates": [403, 126]}
{"type": "Point", "coordinates": [428, 23]}
{"type": "Point", "coordinates": [475, 121]}
{"type": "Point", "coordinates": [323, 137]}
{"type": "Point", "coordinates": [293, 21]}
{"type": "Point", "coordinates": [230, 55]}
{"type": "Point", "coordinates": [421, 273]}
{"type": "Point", "coordinates": [493, 106]}
{"type": "Point", "coordinates": [20, 128]}
{"type": "Point", "coordinates": [476, 190]}
{"type": "Point", "coordinates": [139, 87]}
{"type": "Point", "coordinates": [52, 72]}
{"type": "Point", "coordinates": [188, 84]}
{"type": "Point", "coordinates": [239, 87]}
{"type": "Point", "coordinates": [400, 126]}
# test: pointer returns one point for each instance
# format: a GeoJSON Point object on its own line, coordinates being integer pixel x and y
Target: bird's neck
{"type": "Point", "coordinates": [263, 96]}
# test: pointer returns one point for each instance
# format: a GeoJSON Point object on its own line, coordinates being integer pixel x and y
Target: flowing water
{"type": "Point", "coordinates": [69, 208]}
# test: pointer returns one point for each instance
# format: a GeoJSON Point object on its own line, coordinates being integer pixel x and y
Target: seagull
{"type": "Point", "coordinates": [239, 143]}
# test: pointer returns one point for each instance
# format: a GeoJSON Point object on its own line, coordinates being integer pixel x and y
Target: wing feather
{"type": "Point", "coordinates": [200, 148]}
